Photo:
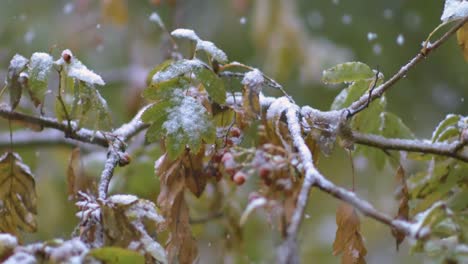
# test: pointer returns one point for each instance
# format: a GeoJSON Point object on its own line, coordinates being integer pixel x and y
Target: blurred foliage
{"type": "Point", "coordinates": [292, 41]}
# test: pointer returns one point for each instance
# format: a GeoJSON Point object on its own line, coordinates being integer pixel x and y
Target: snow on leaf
{"type": "Point", "coordinates": [128, 221]}
{"type": "Point", "coordinates": [253, 82]}
{"type": "Point", "coordinates": [210, 48]}
{"type": "Point", "coordinates": [347, 72]}
{"type": "Point", "coordinates": [75, 69]}
{"type": "Point", "coordinates": [17, 195]}
{"type": "Point", "coordinates": [14, 83]}
{"type": "Point", "coordinates": [185, 34]}
{"type": "Point", "coordinates": [187, 124]}
{"type": "Point", "coordinates": [89, 107]}
{"type": "Point", "coordinates": [454, 9]}
{"type": "Point", "coordinates": [38, 71]}
{"type": "Point", "coordinates": [176, 69]}
{"type": "Point", "coordinates": [154, 17]}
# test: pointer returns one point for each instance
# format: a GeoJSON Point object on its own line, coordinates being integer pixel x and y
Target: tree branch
{"type": "Point", "coordinates": [421, 146]}
{"type": "Point", "coordinates": [82, 134]}
{"type": "Point", "coordinates": [288, 250]}
{"type": "Point", "coordinates": [26, 138]}
{"type": "Point", "coordinates": [380, 90]}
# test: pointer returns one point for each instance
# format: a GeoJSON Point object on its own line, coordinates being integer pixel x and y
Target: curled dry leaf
{"type": "Point", "coordinates": [348, 239]}
{"type": "Point", "coordinates": [17, 195]}
{"type": "Point", "coordinates": [181, 246]}
{"type": "Point", "coordinates": [403, 208]}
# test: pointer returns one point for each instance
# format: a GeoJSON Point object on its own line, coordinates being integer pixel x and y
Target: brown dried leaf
{"type": "Point", "coordinates": [18, 195]}
{"type": "Point", "coordinates": [74, 171]}
{"type": "Point", "coordinates": [462, 39]}
{"type": "Point", "coordinates": [194, 173]}
{"type": "Point", "coordinates": [251, 103]}
{"type": "Point", "coordinates": [403, 208]}
{"type": "Point", "coordinates": [181, 246]}
{"type": "Point", "coordinates": [348, 240]}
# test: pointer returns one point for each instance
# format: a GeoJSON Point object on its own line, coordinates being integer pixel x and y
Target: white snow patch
{"type": "Point", "coordinates": [40, 65]}
{"type": "Point", "coordinates": [254, 80]}
{"type": "Point", "coordinates": [211, 49]}
{"type": "Point", "coordinates": [454, 9]}
{"type": "Point", "coordinates": [123, 199]}
{"type": "Point", "coordinates": [17, 63]}
{"type": "Point", "coordinates": [185, 33]}
{"type": "Point", "coordinates": [254, 204]}
{"type": "Point", "coordinates": [7, 241]}
{"type": "Point", "coordinates": [174, 70]}
{"type": "Point", "coordinates": [188, 116]}
{"type": "Point", "coordinates": [78, 70]}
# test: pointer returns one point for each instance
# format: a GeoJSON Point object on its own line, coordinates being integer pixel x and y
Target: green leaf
{"type": "Point", "coordinates": [164, 90]}
{"type": "Point", "coordinates": [212, 84]}
{"type": "Point", "coordinates": [350, 94]}
{"type": "Point", "coordinates": [14, 83]}
{"type": "Point", "coordinates": [176, 69]}
{"type": "Point", "coordinates": [116, 255]}
{"type": "Point", "coordinates": [38, 70]}
{"type": "Point", "coordinates": [17, 195]}
{"type": "Point", "coordinates": [393, 127]}
{"type": "Point", "coordinates": [156, 69]}
{"type": "Point", "coordinates": [175, 144]}
{"type": "Point", "coordinates": [89, 107]}
{"type": "Point", "coordinates": [184, 122]}
{"type": "Point", "coordinates": [347, 72]}
{"type": "Point", "coordinates": [445, 127]}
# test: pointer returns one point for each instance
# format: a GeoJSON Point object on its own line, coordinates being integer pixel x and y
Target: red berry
{"type": "Point", "coordinates": [235, 132]}
{"type": "Point", "coordinates": [66, 56]}
{"type": "Point", "coordinates": [217, 157]}
{"type": "Point", "coordinates": [239, 177]}
{"type": "Point", "coordinates": [264, 172]}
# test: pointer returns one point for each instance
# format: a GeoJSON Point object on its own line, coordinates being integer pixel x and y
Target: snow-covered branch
{"type": "Point", "coordinates": [421, 146]}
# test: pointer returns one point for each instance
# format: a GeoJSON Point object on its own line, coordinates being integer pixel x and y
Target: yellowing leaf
{"type": "Point", "coordinates": [347, 72]}
{"type": "Point", "coordinates": [17, 195]}
{"type": "Point", "coordinates": [462, 39]}
{"type": "Point", "coordinates": [115, 11]}
{"type": "Point", "coordinates": [348, 240]}
{"type": "Point", "coordinates": [115, 255]}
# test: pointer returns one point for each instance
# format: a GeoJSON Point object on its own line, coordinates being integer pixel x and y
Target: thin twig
{"type": "Point", "coordinates": [379, 91]}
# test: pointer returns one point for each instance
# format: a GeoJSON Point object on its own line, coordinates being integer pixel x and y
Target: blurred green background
{"type": "Point", "coordinates": [292, 41]}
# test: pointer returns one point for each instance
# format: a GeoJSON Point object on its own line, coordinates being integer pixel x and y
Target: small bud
{"type": "Point", "coordinates": [67, 55]}
{"type": "Point", "coordinates": [235, 132]}
{"type": "Point", "coordinates": [124, 159]}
